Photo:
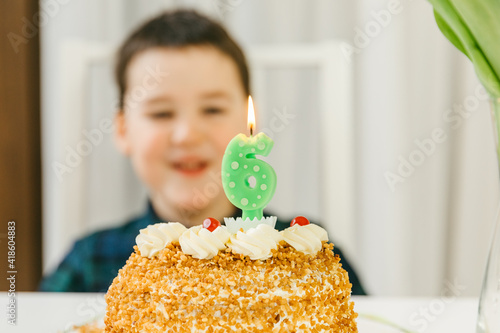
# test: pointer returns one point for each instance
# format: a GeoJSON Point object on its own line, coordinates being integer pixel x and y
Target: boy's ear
{"type": "Point", "coordinates": [121, 135]}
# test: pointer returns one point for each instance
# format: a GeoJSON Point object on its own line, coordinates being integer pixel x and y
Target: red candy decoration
{"type": "Point", "coordinates": [300, 220]}
{"type": "Point", "coordinates": [211, 224]}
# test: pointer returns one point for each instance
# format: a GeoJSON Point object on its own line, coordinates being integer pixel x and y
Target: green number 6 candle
{"type": "Point", "coordinates": [249, 183]}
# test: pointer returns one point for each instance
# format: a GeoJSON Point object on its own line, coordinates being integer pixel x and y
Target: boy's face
{"type": "Point", "coordinates": [182, 107]}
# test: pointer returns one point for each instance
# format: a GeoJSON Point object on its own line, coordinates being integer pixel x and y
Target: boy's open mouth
{"type": "Point", "coordinates": [191, 168]}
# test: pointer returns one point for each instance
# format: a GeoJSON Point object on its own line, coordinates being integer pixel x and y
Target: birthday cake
{"type": "Point", "coordinates": [207, 279]}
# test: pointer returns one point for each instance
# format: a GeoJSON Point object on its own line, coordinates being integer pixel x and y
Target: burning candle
{"type": "Point", "coordinates": [249, 183]}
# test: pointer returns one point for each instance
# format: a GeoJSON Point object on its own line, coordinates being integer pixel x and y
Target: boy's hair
{"type": "Point", "coordinates": [178, 29]}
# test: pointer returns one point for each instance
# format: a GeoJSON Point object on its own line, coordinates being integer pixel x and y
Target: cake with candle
{"type": "Point", "coordinates": [239, 276]}
{"type": "Point", "coordinates": [206, 279]}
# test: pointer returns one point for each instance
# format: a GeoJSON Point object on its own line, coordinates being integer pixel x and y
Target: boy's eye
{"type": "Point", "coordinates": [162, 115]}
{"type": "Point", "coordinates": [213, 110]}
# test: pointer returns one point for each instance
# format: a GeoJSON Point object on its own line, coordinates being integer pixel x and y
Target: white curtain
{"type": "Point", "coordinates": [426, 176]}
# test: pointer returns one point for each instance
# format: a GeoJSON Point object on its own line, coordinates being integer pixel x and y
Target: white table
{"type": "Point", "coordinates": [54, 312]}
{"type": "Point", "coordinates": [429, 315]}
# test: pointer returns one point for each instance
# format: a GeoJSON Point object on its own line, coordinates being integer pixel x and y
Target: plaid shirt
{"type": "Point", "coordinates": [94, 261]}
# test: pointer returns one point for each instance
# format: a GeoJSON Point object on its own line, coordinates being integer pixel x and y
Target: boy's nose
{"type": "Point", "coordinates": [187, 132]}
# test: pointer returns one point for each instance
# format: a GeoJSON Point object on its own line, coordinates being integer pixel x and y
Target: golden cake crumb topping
{"type": "Point", "coordinates": [288, 292]}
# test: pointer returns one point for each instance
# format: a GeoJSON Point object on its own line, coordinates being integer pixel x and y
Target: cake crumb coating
{"type": "Point", "coordinates": [174, 292]}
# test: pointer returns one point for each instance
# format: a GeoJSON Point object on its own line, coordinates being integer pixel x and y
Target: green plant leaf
{"type": "Point", "coordinates": [482, 18]}
{"type": "Point", "coordinates": [462, 36]}
{"type": "Point", "coordinates": [449, 33]}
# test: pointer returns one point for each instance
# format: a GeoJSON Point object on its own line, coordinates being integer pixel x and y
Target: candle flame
{"type": "Point", "coordinates": [251, 115]}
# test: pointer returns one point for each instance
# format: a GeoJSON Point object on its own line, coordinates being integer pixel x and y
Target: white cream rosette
{"type": "Point", "coordinates": [256, 243]}
{"type": "Point", "coordinates": [306, 239]}
{"type": "Point", "coordinates": [201, 243]}
{"type": "Point", "coordinates": [156, 237]}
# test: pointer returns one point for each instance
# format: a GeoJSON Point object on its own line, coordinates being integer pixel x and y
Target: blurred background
{"type": "Point", "coordinates": [411, 196]}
